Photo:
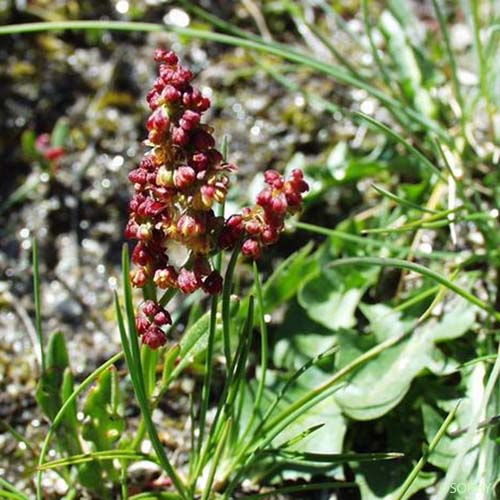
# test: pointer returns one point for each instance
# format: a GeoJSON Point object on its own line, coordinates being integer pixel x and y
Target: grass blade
{"type": "Point", "coordinates": [260, 45]}
{"type": "Point", "coordinates": [38, 303]}
{"type": "Point", "coordinates": [402, 494]}
{"type": "Point", "coordinates": [98, 455]}
{"type": "Point", "coordinates": [411, 266]}
{"type": "Point", "coordinates": [135, 368]}
{"type": "Point", "coordinates": [12, 490]}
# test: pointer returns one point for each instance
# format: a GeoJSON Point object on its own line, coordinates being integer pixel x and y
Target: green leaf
{"type": "Point", "coordinates": [28, 145]}
{"type": "Point", "coordinates": [331, 297]}
{"type": "Point", "coordinates": [325, 418]}
{"type": "Point", "coordinates": [381, 384]}
{"type": "Point", "coordinates": [160, 495]}
{"type": "Point", "coordinates": [469, 393]}
{"type": "Point", "coordinates": [60, 133]}
{"type": "Point", "coordinates": [103, 424]}
{"type": "Point", "coordinates": [299, 339]}
{"type": "Point", "coordinates": [409, 74]}
{"type": "Point", "coordinates": [48, 392]}
{"type": "Point", "coordinates": [283, 284]}
{"type": "Point", "coordinates": [380, 481]}
{"type": "Point", "coordinates": [70, 417]}
{"type": "Point", "coordinates": [53, 390]}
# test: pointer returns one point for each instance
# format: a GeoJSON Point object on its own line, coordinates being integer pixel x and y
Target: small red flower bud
{"type": "Point", "coordinates": [235, 222]}
{"type": "Point", "coordinates": [184, 176]}
{"type": "Point", "coordinates": [53, 154]}
{"type": "Point", "coordinates": [136, 202]}
{"type": "Point", "coordinates": [138, 176]}
{"type": "Point", "coordinates": [166, 278]}
{"type": "Point", "coordinates": [161, 55]}
{"type": "Point", "coordinates": [294, 199]}
{"type": "Point", "coordinates": [148, 163]}
{"type": "Point", "coordinates": [189, 120]}
{"type": "Point", "coordinates": [207, 195]}
{"type": "Point", "coordinates": [131, 230]}
{"type": "Point", "coordinates": [140, 255]}
{"type": "Point", "coordinates": [253, 227]}
{"type": "Point", "coordinates": [187, 281]}
{"type": "Point", "coordinates": [141, 324]}
{"type": "Point", "coordinates": [213, 283]}
{"type": "Point", "coordinates": [199, 161]}
{"type": "Point", "coordinates": [190, 226]}
{"type": "Point", "coordinates": [264, 197]}
{"type": "Point", "coordinates": [180, 136]}
{"type": "Point", "coordinates": [251, 248]}
{"type": "Point", "coordinates": [279, 204]}
{"type": "Point", "coordinates": [273, 178]}
{"type": "Point", "coordinates": [181, 77]}
{"type": "Point", "coordinates": [150, 307]}
{"type": "Point", "coordinates": [269, 236]}
{"type": "Point", "coordinates": [154, 337]}
{"type": "Point", "coordinates": [162, 318]}
{"type": "Point", "coordinates": [203, 140]}
{"type": "Point", "coordinates": [138, 277]}
{"type": "Point", "coordinates": [150, 208]}
{"type": "Point", "coordinates": [170, 94]}
{"type": "Point", "coordinates": [158, 121]}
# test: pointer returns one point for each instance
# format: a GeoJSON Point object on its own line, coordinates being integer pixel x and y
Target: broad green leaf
{"type": "Point", "coordinates": [331, 297]}
{"type": "Point", "coordinates": [299, 339]}
{"type": "Point", "coordinates": [381, 384]}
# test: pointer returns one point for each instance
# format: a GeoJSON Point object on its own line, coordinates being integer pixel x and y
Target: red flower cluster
{"type": "Point", "coordinates": [176, 185]}
{"type": "Point", "coordinates": [149, 322]}
{"type": "Point", "coordinates": [262, 224]}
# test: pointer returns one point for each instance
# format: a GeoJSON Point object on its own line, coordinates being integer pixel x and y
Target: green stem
{"type": "Point", "coordinates": [215, 460]}
{"type": "Point", "coordinates": [482, 66]}
{"type": "Point", "coordinates": [226, 306]}
{"type": "Point", "coordinates": [453, 64]}
{"type": "Point", "coordinates": [38, 303]}
{"type": "Point", "coordinates": [313, 397]}
{"type": "Point", "coordinates": [207, 381]}
{"type": "Point", "coordinates": [402, 494]}
{"type": "Point", "coordinates": [132, 353]}
{"type": "Point", "coordinates": [411, 266]}
{"type": "Point", "coordinates": [264, 354]}
{"type": "Point", "coordinates": [13, 490]}
{"type": "Point", "coordinates": [467, 441]}
{"type": "Point", "coordinates": [362, 240]}
{"type": "Point", "coordinates": [373, 46]}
